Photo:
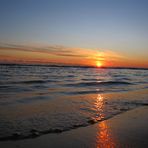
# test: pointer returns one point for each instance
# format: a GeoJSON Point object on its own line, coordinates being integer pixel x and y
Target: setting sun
{"type": "Point", "coordinates": [98, 64]}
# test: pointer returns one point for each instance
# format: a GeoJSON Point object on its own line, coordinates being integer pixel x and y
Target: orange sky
{"type": "Point", "coordinates": [67, 55]}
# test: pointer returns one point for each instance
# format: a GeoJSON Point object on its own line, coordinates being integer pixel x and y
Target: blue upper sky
{"type": "Point", "coordinates": [119, 25]}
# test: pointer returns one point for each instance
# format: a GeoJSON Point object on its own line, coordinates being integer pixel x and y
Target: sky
{"type": "Point", "coordinates": [75, 32]}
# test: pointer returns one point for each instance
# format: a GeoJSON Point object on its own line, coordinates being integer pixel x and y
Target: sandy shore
{"type": "Point", "coordinates": [129, 129]}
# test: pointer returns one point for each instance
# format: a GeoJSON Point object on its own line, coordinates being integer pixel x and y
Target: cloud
{"type": "Point", "coordinates": [52, 50]}
{"type": "Point", "coordinates": [57, 53]}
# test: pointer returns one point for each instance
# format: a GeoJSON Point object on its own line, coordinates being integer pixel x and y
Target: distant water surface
{"type": "Point", "coordinates": [35, 100]}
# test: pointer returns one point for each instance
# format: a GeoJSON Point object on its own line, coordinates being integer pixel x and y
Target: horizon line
{"type": "Point", "coordinates": [74, 66]}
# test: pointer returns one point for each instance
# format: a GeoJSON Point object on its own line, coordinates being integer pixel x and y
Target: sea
{"type": "Point", "coordinates": [44, 99]}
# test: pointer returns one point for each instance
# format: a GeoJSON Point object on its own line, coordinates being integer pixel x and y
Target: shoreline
{"type": "Point", "coordinates": [128, 129]}
{"type": "Point", "coordinates": [35, 133]}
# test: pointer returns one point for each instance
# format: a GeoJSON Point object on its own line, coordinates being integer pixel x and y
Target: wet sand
{"type": "Point", "coordinates": [128, 129]}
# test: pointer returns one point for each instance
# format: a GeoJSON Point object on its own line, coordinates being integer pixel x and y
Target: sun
{"type": "Point", "coordinates": [98, 64]}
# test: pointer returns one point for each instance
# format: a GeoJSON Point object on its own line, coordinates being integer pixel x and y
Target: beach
{"type": "Point", "coordinates": [128, 129]}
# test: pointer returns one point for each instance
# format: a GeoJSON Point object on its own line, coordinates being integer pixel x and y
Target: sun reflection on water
{"type": "Point", "coordinates": [104, 137]}
{"type": "Point", "coordinates": [99, 107]}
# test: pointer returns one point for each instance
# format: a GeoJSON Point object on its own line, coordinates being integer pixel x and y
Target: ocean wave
{"type": "Point", "coordinates": [34, 132]}
{"type": "Point", "coordinates": [106, 83]}
{"type": "Point", "coordinates": [84, 92]}
{"type": "Point", "coordinates": [32, 81]}
{"type": "Point", "coordinates": [29, 82]}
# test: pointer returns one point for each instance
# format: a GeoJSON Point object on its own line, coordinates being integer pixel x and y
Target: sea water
{"type": "Point", "coordinates": [40, 99]}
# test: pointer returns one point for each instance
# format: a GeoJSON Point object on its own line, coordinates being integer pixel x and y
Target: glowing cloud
{"type": "Point", "coordinates": [55, 54]}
